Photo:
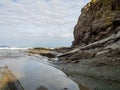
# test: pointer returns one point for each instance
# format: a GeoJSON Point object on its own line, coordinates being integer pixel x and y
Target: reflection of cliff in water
{"type": "Point", "coordinates": [8, 81]}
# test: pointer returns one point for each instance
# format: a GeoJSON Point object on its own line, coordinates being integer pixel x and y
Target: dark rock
{"type": "Point", "coordinates": [81, 55]}
{"type": "Point", "coordinates": [117, 29]}
{"type": "Point", "coordinates": [97, 32]}
{"type": "Point", "coordinates": [47, 52]}
{"type": "Point", "coordinates": [49, 55]}
{"type": "Point", "coordinates": [42, 88]}
{"type": "Point", "coordinates": [96, 45]}
{"type": "Point", "coordinates": [63, 49]}
{"type": "Point", "coordinates": [97, 20]}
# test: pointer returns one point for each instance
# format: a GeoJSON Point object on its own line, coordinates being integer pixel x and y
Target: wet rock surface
{"type": "Point", "coordinates": [8, 81]}
{"type": "Point", "coordinates": [93, 74]}
{"type": "Point", "coordinates": [47, 52]}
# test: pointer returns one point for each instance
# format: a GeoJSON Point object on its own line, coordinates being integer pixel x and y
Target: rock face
{"type": "Point", "coordinates": [98, 20]}
{"type": "Point", "coordinates": [47, 52]}
{"type": "Point", "coordinates": [97, 33]}
{"type": "Point", "coordinates": [96, 47]}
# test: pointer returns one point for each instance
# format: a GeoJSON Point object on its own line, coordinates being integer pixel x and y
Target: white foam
{"type": "Point", "coordinates": [13, 48]}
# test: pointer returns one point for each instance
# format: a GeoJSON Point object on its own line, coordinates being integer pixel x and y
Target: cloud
{"type": "Point", "coordinates": [40, 18]}
{"type": "Point", "coordinates": [41, 12]}
{"type": "Point", "coordinates": [66, 35]}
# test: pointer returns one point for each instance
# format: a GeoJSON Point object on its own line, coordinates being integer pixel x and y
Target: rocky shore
{"type": "Point", "coordinates": [96, 45]}
{"type": "Point", "coordinates": [95, 51]}
{"type": "Point", "coordinates": [48, 52]}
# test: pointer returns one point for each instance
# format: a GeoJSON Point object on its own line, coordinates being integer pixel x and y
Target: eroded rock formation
{"type": "Point", "coordinates": [98, 20]}
{"type": "Point", "coordinates": [97, 32]}
{"type": "Point", "coordinates": [96, 45]}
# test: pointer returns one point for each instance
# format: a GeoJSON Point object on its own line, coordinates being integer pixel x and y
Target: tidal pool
{"type": "Point", "coordinates": [34, 74]}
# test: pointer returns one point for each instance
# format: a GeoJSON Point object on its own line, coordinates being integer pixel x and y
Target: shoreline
{"type": "Point", "coordinates": [94, 70]}
{"type": "Point", "coordinates": [105, 69]}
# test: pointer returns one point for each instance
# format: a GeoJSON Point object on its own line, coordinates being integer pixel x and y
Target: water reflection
{"type": "Point", "coordinates": [34, 75]}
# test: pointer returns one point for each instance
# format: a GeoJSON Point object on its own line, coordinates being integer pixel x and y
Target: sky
{"type": "Point", "coordinates": [38, 23]}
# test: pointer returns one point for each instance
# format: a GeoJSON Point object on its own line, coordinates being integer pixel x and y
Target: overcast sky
{"type": "Point", "coordinates": [43, 23]}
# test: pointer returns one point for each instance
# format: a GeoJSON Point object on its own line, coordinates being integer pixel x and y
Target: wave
{"type": "Point", "coordinates": [14, 48]}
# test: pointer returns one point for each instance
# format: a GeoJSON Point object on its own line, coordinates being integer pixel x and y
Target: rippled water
{"type": "Point", "coordinates": [34, 74]}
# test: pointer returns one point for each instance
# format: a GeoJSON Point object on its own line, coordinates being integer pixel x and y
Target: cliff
{"type": "Point", "coordinates": [97, 32]}
{"type": "Point", "coordinates": [98, 20]}
{"type": "Point", "coordinates": [96, 45]}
